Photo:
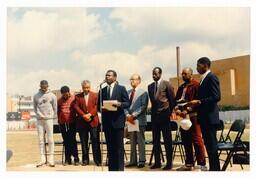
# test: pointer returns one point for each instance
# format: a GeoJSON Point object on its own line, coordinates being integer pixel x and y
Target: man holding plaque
{"type": "Point", "coordinates": [113, 121]}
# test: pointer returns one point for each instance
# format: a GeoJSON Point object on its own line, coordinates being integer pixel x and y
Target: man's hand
{"type": "Point", "coordinates": [177, 112]}
{"type": "Point", "coordinates": [194, 103]}
{"type": "Point", "coordinates": [173, 116]}
{"type": "Point", "coordinates": [130, 119]}
{"type": "Point", "coordinates": [87, 117]}
{"type": "Point", "coordinates": [117, 105]}
{"type": "Point", "coordinates": [104, 109]}
{"type": "Point", "coordinates": [183, 114]}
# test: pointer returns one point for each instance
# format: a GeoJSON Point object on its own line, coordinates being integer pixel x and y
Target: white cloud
{"type": "Point", "coordinates": [94, 67]}
{"type": "Point", "coordinates": [143, 62]}
{"type": "Point", "coordinates": [39, 31]}
{"type": "Point", "coordinates": [28, 83]}
{"type": "Point", "coordinates": [205, 22]}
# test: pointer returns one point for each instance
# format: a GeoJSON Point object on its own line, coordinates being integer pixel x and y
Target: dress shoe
{"type": "Point", "coordinates": [131, 165]}
{"type": "Point", "coordinates": [155, 166]}
{"type": "Point", "coordinates": [185, 168]}
{"type": "Point", "coordinates": [167, 167]}
{"type": "Point", "coordinates": [201, 168]}
{"type": "Point", "coordinates": [97, 163]}
{"type": "Point", "coordinates": [141, 165]}
{"type": "Point", "coordinates": [84, 163]}
{"type": "Point", "coordinates": [40, 164]}
{"type": "Point", "coordinates": [68, 162]}
{"type": "Point", "coordinates": [51, 165]}
{"type": "Point", "coordinates": [76, 161]}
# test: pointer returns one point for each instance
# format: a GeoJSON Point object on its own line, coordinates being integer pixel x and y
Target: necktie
{"type": "Point", "coordinates": [156, 86]}
{"type": "Point", "coordinates": [132, 95]}
{"type": "Point", "coordinates": [108, 92]}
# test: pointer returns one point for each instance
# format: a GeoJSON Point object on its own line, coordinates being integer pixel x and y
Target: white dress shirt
{"type": "Point", "coordinates": [86, 98]}
{"type": "Point", "coordinates": [204, 75]}
{"type": "Point", "coordinates": [111, 88]}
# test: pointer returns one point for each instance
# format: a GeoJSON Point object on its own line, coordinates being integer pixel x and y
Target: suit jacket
{"type": "Point", "coordinates": [164, 100]}
{"type": "Point", "coordinates": [139, 105]}
{"type": "Point", "coordinates": [81, 109]}
{"type": "Point", "coordinates": [209, 95]}
{"type": "Point", "coordinates": [116, 119]}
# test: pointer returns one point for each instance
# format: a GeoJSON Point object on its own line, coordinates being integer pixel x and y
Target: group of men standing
{"type": "Point", "coordinates": [80, 113]}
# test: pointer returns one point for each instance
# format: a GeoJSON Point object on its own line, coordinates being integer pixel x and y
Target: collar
{"type": "Point", "coordinates": [87, 94]}
{"type": "Point", "coordinates": [205, 74]}
{"type": "Point", "coordinates": [112, 84]}
{"type": "Point", "coordinates": [159, 81]}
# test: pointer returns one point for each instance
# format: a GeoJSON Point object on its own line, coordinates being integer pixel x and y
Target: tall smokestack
{"type": "Point", "coordinates": [178, 64]}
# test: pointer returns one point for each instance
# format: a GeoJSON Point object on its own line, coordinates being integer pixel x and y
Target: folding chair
{"type": "Point", "coordinates": [177, 142]}
{"type": "Point", "coordinates": [221, 130]}
{"type": "Point", "coordinates": [56, 130]}
{"type": "Point", "coordinates": [229, 145]}
{"type": "Point", "coordinates": [150, 142]}
{"type": "Point", "coordinates": [244, 156]}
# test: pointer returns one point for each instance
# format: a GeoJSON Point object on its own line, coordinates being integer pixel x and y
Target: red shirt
{"type": "Point", "coordinates": [66, 112]}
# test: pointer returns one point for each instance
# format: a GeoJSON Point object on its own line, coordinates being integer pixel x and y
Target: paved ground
{"type": "Point", "coordinates": [24, 145]}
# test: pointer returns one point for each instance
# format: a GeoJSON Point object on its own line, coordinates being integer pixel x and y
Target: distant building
{"type": "Point", "coordinates": [21, 104]}
{"type": "Point", "coordinates": [234, 76]}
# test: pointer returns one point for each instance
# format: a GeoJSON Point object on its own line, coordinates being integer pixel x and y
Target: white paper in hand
{"type": "Point", "coordinates": [108, 104]}
{"type": "Point", "coordinates": [133, 127]}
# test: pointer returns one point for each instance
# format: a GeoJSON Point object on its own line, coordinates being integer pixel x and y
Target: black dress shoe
{"type": "Point", "coordinates": [155, 166]}
{"type": "Point", "coordinates": [131, 165]}
{"type": "Point", "coordinates": [141, 165]}
{"type": "Point", "coordinates": [97, 163]}
{"type": "Point", "coordinates": [167, 167]}
{"type": "Point", "coordinates": [76, 161]}
{"type": "Point", "coordinates": [84, 163]}
{"type": "Point", "coordinates": [67, 162]}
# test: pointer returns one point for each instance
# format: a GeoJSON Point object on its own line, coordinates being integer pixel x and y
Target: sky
{"type": "Point", "coordinates": [67, 45]}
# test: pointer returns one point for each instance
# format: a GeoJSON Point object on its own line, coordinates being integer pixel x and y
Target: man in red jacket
{"type": "Point", "coordinates": [66, 120]}
{"type": "Point", "coordinates": [87, 122]}
{"type": "Point", "coordinates": [187, 92]}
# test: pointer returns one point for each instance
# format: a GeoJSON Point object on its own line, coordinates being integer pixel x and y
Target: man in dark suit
{"type": "Point", "coordinates": [113, 122]}
{"type": "Point", "coordinates": [207, 110]}
{"type": "Point", "coordinates": [162, 99]}
{"type": "Point", "coordinates": [87, 122]}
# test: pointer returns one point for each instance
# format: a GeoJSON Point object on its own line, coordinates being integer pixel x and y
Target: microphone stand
{"type": "Point", "coordinates": [101, 128]}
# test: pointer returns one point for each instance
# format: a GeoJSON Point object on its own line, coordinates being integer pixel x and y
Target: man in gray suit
{"type": "Point", "coordinates": [137, 110]}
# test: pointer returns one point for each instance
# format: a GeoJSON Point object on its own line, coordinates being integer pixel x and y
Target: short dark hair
{"type": "Point", "coordinates": [160, 70]}
{"type": "Point", "coordinates": [64, 89]}
{"type": "Point", "coordinates": [204, 60]}
{"type": "Point", "coordinates": [43, 82]}
{"type": "Point", "coordinates": [114, 72]}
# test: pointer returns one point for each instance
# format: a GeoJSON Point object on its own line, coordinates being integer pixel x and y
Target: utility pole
{"type": "Point", "coordinates": [178, 64]}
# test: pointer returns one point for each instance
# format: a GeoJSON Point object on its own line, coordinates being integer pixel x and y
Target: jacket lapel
{"type": "Point", "coordinates": [83, 102]}
{"type": "Point", "coordinates": [114, 92]}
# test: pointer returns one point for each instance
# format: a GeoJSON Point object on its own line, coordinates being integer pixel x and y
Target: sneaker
{"type": "Point", "coordinates": [185, 168]}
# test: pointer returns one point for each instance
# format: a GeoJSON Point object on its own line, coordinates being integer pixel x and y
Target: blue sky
{"type": "Point", "coordinates": [67, 45]}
